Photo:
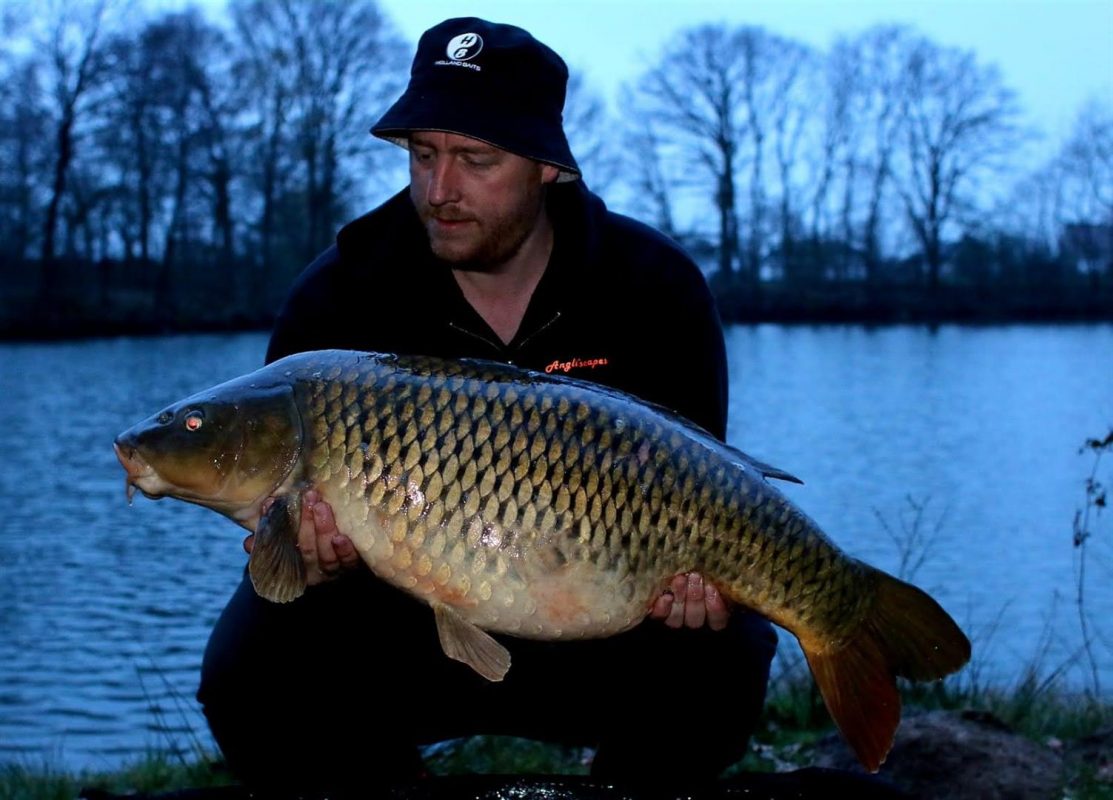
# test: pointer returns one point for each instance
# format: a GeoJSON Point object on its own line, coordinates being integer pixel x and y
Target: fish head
{"type": "Point", "coordinates": [228, 448]}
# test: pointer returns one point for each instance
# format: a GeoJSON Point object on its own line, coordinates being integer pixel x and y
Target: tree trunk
{"type": "Point", "coordinates": [48, 288]}
{"type": "Point", "coordinates": [728, 216]}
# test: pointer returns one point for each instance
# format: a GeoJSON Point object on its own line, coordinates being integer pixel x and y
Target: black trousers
{"type": "Point", "coordinates": [335, 691]}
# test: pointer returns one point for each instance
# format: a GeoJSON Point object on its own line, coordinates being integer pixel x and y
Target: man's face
{"type": "Point", "coordinates": [478, 203]}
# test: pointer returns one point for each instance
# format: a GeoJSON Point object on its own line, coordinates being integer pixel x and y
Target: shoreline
{"type": "Point", "coordinates": [56, 331]}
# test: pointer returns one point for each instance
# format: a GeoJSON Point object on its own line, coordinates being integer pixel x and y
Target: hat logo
{"type": "Point", "coordinates": [464, 47]}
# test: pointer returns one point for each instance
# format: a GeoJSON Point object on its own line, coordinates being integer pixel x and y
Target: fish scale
{"type": "Point", "coordinates": [534, 505]}
{"type": "Point", "coordinates": [485, 429]}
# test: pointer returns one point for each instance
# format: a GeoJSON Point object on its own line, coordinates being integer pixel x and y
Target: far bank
{"type": "Point", "coordinates": [112, 298]}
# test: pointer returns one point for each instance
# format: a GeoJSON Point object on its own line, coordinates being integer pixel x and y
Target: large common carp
{"type": "Point", "coordinates": [516, 502]}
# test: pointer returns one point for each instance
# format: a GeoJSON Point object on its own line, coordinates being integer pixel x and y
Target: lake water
{"type": "Point", "coordinates": [105, 609]}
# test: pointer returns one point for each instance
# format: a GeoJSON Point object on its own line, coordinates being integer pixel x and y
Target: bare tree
{"type": "Point", "coordinates": [220, 149]}
{"type": "Point", "coordinates": [757, 52]}
{"type": "Point", "coordinates": [1033, 210]}
{"type": "Point", "coordinates": [265, 81]}
{"type": "Point", "coordinates": [695, 98]}
{"type": "Point", "coordinates": [1083, 173]}
{"type": "Point", "coordinates": [883, 90]}
{"type": "Point", "coordinates": [23, 129]}
{"type": "Point", "coordinates": [24, 157]}
{"type": "Point", "coordinates": [325, 67]}
{"type": "Point", "coordinates": [957, 120]}
{"type": "Point", "coordinates": [590, 134]}
{"type": "Point", "coordinates": [727, 98]}
{"type": "Point", "coordinates": [131, 140]}
{"type": "Point", "coordinates": [841, 70]}
{"type": "Point", "coordinates": [181, 46]}
{"type": "Point", "coordinates": [852, 190]}
{"type": "Point", "coordinates": [877, 59]}
{"type": "Point", "coordinates": [795, 78]}
{"type": "Point", "coordinates": [76, 61]}
{"type": "Point", "coordinates": [162, 134]}
{"type": "Point", "coordinates": [652, 189]}
{"type": "Point", "coordinates": [1087, 160]}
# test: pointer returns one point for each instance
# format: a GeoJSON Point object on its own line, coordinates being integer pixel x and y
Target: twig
{"type": "Point", "coordinates": [1082, 531]}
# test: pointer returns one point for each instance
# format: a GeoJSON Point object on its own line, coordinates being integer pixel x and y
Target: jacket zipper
{"type": "Point", "coordinates": [502, 349]}
{"type": "Point", "coordinates": [459, 328]}
{"type": "Point", "coordinates": [539, 331]}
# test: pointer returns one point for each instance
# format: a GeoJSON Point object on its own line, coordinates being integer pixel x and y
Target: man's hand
{"type": "Point", "coordinates": [689, 603]}
{"type": "Point", "coordinates": [323, 548]}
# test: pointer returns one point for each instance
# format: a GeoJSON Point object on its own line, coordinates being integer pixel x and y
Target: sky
{"type": "Point", "coordinates": [1053, 53]}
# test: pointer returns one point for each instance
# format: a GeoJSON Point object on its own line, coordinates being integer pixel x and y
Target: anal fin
{"type": "Point", "coordinates": [465, 642]}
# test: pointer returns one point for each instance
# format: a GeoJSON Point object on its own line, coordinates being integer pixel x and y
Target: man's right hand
{"type": "Point", "coordinates": [690, 602]}
{"type": "Point", "coordinates": [325, 550]}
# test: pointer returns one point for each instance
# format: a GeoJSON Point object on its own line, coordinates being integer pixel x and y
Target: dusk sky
{"type": "Point", "coordinates": [1054, 53]}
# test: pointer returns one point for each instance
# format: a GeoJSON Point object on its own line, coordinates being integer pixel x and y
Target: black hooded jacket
{"type": "Point", "coordinates": [619, 304]}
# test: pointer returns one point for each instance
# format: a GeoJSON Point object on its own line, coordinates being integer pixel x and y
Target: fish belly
{"type": "Point", "coordinates": [541, 591]}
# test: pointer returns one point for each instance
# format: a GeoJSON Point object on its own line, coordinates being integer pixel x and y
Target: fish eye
{"type": "Point", "coordinates": [165, 417]}
{"type": "Point", "coordinates": [194, 420]}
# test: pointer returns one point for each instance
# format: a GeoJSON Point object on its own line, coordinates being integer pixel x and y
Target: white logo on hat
{"type": "Point", "coordinates": [464, 47]}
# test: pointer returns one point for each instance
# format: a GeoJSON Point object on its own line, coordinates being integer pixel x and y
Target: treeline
{"type": "Point", "coordinates": [170, 171]}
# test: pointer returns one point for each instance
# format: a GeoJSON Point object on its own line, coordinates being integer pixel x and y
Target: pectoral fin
{"type": "Point", "coordinates": [276, 566]}
{"type": "Point", "coordinates": [465, 642]}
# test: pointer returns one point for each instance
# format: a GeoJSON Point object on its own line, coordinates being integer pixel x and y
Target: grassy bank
{"type": "Point", "coordinates": [153, 772]}
{"type": "Point", "coordinates": [794, 719]}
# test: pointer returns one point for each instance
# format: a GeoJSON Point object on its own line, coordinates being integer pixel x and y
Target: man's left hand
{"type": "Point", "coordinates": [690, 603]}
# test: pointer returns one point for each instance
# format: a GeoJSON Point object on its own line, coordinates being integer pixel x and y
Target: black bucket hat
{"type": "Point", "coordinates": [486, 81]}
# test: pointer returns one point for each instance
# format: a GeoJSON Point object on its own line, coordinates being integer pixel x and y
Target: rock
{"type": "Point", "coordinates": [959, 755]}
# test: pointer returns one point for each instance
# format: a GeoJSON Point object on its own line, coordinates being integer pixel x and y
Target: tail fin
{"type": "Point", "coordinates": [906, 633]}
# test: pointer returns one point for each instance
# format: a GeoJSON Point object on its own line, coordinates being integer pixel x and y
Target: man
{"type": "Point", "coordinates": [497, 251]}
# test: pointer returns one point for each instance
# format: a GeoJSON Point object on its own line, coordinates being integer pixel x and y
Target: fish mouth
{"type": "Point", "coordinates": [140, 474]}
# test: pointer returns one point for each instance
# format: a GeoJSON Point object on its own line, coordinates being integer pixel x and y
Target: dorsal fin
{"type": "Point", "coordinates": [767, 470]}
